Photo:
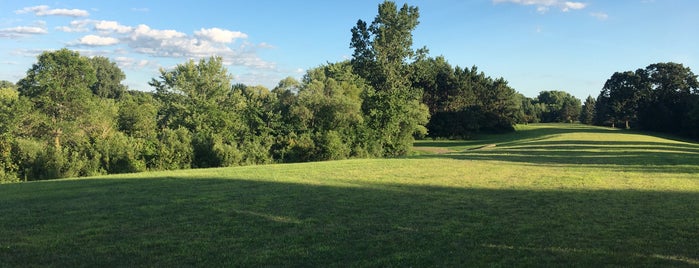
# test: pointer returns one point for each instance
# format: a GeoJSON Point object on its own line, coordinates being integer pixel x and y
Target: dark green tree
{"type": "Point", "coordinates": [625, 91]}
{"type": "Point", "coordinates": [109, 77]}
{"type": "Point", "coordinates": [558, 106]}
{"type": "Point", "coordinates": [587, 115]}
{"type": "Point", "coordinates": [671, 89]}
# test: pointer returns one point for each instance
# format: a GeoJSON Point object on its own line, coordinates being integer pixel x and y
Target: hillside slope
{"type": "Point", "coordinates": [547, 195]}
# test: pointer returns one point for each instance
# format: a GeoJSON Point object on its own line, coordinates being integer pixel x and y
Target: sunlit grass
{"type": "Point", "coordinates": [547, 195]}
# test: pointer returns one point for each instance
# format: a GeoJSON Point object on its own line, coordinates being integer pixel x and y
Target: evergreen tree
{"type": "Point", "coordinates": [587, 115]}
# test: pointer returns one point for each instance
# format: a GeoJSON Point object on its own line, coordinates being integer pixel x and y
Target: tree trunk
{"type": "Point", "coordinates": [57, 138]}
{"type": "Point", "coordinates": [627, 124]}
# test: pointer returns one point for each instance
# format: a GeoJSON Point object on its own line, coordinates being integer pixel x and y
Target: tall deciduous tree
{"type": "Point", "coordinates": [661, 97]}
{"type": "Point", "coordinates": [59, 86]}
{"type": "Point", "coordinates": [672, 90]}
{"type": "Point", "coordinates": [381, 50]}
{"type": "Point", "coordinates": [625, 90]}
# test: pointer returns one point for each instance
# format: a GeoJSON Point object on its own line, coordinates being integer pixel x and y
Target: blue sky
{"type": "Point", "coordinates": [534, 44]}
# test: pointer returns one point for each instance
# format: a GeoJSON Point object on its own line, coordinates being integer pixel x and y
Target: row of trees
{"type": "Point", "coordinates": [71, 116]}
{"type": "Point", "coordinates": [553, 106]}
{"type": "Point", "coordinates": [661, 97]}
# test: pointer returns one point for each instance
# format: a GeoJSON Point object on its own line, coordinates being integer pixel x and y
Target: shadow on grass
{"type": "Point", "coordinates": [542, 131]}
{"type": "Point", "coordinates": [535, 146]}
{"type": "Point", "coordinates": [228, 222]}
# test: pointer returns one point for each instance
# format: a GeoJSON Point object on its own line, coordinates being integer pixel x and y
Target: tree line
{"type": "Point", "coordinates": [662, 97]}
{"type": "Point", "coordinates": [71, 115]}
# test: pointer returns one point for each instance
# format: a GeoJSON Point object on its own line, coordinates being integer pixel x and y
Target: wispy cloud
{"type": "Point", "coordinates": [543, 6]}
{"type": "Point", "coordinates": [600, 15]}
{"type": "Point", "coordinates": [140, 9]}
{"type": "Point", "coordinates": [142, 39]}
{"type": "Point", "coordinates": [44, 10]}
{"type": "Point", "coordinates": [22, 31]}
{"type": "Point", "coordinates": [76, 26]}
{"type": "Point", "coordinates": [131, 63]}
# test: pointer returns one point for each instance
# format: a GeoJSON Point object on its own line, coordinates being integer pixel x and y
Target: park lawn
{"type": "Point", "coordinates": [546, 195]}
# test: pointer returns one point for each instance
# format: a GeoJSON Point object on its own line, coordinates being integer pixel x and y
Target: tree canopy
{"type": "Point", "coordinates": [660, 97]}
{"type": "Point", "coordinates": [72, 116]}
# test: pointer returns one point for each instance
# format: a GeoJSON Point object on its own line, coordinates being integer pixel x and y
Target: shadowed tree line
{"type": "Point", "coordinates": [662, 97]}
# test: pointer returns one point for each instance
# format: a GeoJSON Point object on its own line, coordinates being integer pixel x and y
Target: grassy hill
{"type": "Point", "coordinates": [547, 195]}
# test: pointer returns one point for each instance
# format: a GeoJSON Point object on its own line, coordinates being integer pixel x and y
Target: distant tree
{"type": "Point", "coordinates": [670, 97]}
{"type": "Point", "coordinates": [661, 97]}
{"type": "Point", "coordinates": [138, 113]}
{"type": "Point", "coordinates": [624, 90]}
{"type": "Point", "coordinates": [558, 106]}
{"type": "Point", "coordinates": [330, 115]}
{"type": "Point", "coordinates": [198, 97]}
{"type": "Point", "coordinates": [4, 85]}
{"type": "Point", "coordinates": [530, 111]}
{"type": "Point", "coordinates": [436, 78]}
{"type": "Point", "coordinates": [109, 77]}
{"type": "Point", "coordinates": [587, 115]}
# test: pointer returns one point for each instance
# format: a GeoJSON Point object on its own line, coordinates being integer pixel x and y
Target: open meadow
{"type": "Point", "coordinates": [546, 195]}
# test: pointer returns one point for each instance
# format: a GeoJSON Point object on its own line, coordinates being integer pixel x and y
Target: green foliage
{"type": "Point", "coordinates": [463, 102]}
{"type": "Point", "coordinates": [58, 85]}
{"type": "Point", "coordinates": [326, 114]}
{"type": "Point", "coordinates": [587, 114]}
{"type": "Point", "coordinates": [558, 106]}
{"type": "Point", "coordinates": [174, 151]}
{"type": "Point", "coordinates": [661, 97]}
{"type": "Point", "coordinates": [530, 111]}
{"type": "Point", "coordinates": [109, 77]}
{"type": "Point", "coordinates": [393, 109]}
{"type": "Point", "coordinates": [230, 125]}
{"type": "Point", "coordinates": [120, 154]}
{"type": "Point", "coordinates": [138, 114]}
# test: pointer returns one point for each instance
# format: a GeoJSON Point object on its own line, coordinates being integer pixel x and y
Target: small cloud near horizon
{"type": "Point", "coordinates": [44, 10]}
{"type": "Point", "coordinates": [543, 6]}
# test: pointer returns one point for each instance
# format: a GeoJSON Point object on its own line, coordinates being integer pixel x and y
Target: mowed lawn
{"type": "Point", "coordinates": [547, 195]}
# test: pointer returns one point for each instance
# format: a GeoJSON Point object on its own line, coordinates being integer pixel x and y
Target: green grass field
{"type": "Point", "coordinates": [547, 195]}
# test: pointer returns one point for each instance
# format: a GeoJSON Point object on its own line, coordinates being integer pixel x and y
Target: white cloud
{"type": "Point", "coordinates": [76, 26]}
{"type": "Point", "coordinates": [108, 25]}
{"type": "Point", "coordinates": [600, 15]}
{"type": "Point", "coordinates": [22, 31]}
{"type": "Point", "coordinates": [131, 63]}
{"type": "Point", "coordinates": [94, 40]}
{"type": "Point", "coordinates": [266, 45]}
{"type": "Point", "coordinates": [543, 6]}
{"type": "Point", "coordinates": [143, 31]}
{"type": "Point", "coordinates": [149, 42]}
{"type": "Point", "coordinates": [44, 10]}
{"type": "Point", "coordinates": [573, 5]}
{"type": "Point", "coordinates": [220, 35]}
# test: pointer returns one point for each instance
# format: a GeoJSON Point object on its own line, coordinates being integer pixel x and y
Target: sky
{"type": "Point", "coordinates": [535, 45]}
